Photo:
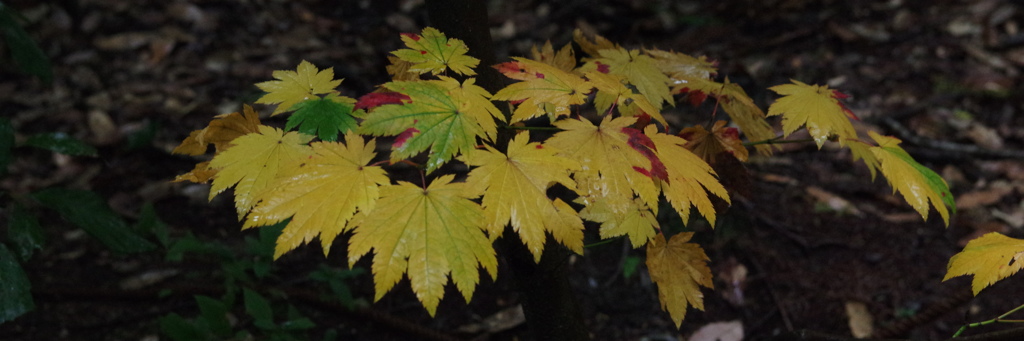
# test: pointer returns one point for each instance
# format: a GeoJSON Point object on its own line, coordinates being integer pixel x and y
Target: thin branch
{"type": "Point", "coordinates": [777, 140]}
{"type": "Point", "coordinates": [1000, 319]}
{"type": "Point", "coordinates": [533, 128]}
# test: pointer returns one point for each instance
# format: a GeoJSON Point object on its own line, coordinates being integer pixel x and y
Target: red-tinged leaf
{"type": "Point", "coordinates": [376, 99]}
{"type": "Point", "coordinates": [639, 70]}
{"type": "Point", "coordinates": [642, 120]}
{"type": "Point", "coordinates": [692, 180]}
{"type": "Point", "coordinates": [514, 70]}
{"type": "Point", "coordinates": [813, 106]}
{"type": "Point", "coordinates": [643, 144]}
{"type": "Point", "coordinates": [403, 137]}
{"type": "Point", "coordinates": [448, 116]}
{"type": "Point", "coordinates": [709, 144]}
{"type": "Point", "coordinates": [695, 97]}
{"type": "Point", "coordinates": [558, 90]}
{"type": "Point", "coordinates": [607, 162]}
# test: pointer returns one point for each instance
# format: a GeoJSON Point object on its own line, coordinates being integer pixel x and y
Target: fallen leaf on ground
{"type": "Point", "coordinates": [861, 322]}
{"type": "Point", "coordinates": [833, 201]}
{"type": "Point", "coordinates": [734, 274]}
{"type": "Point", "coordinates": [982, 197]}
{"type": "Point", "coordinates": [719, 331]}
{"type": "Point", "coordinates": [502, 320]}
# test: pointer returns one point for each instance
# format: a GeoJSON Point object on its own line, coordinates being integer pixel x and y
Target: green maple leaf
{"type": "Point", "coordinates": [324, 117]}
{"type": "Point", "coordinates": [296, 86]}
{"type": "Point", "coordinates": [441, 115]}
{"type": "Point", "coordinates": [427, 233]}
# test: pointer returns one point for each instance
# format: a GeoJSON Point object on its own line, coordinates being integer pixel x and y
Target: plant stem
{"type": "Point", "coordinates": [1001, 318]}
{"type": "Point", "coordinates": [599, 243]}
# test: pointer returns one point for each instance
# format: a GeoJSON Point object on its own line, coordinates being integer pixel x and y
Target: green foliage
{"type": "Point", "coordinates": [15, 298]}
{"type": "Point", "coordinates": [61, 143]}
{"type": "Point", "coordinates": [24, 232]}
{"type": "Point", "coordinates": [6, 144]}
{"type": "Point", "coordinates": [23, 49]}
{"type": "Point", "coordinates": [90, 212]}
{"type": "Point", "coordinates": [336, 280]}
{"type": "Point", "coordinates": [324, 117]}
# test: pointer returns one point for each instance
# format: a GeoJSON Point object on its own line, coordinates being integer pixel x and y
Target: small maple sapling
{"type": "Point", "coordinates": [618, 162]}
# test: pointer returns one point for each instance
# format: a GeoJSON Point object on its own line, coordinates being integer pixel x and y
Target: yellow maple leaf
{"type": "Point", "coordinates": [918, 184]}
{"type": "Point", "coordinates": [815, 106]}
{"type": "Point", "coordinates": [639, 70]}
{"type": "Point", "coordinates": [431, 51]}
{"type": "Point", "coordinates": [682, 68]}
{"type": "Point", "coordinates": [254, 160]}
{"type": "Point", "coordinates": [514, 188]}
{"type": "Point", "coordinates": [220, 132]}
{"type": "Point", "coordinates": [296, 86]}
{"type": "Point", "coordinates": [399, 70]}
{"type": "Point", "coordinates": [612, 168]}
{"type": "Point", "coordinates": [862, 151]}
{"type": "Point", "coordinates": [690, 179]}
{"type": "Point", "coordinates": [544, 89]}
{"type": "Point", "coordinates": [747, 115]}
{"type": "Point", "coordinates": [427, 233]}
{"type": "Point", "coordinates": [679, 269]}
{"type": "Point", "coordinates": [637, 221]}
{"type": "Point", "coordinates": [990, 258]}
{"type": "Point", "coordinates": [592, 46]}
{"type": "Point", "coordinates": [321, 194]}
{"type": "Point", "coordinates": [564, 59]}
{"type": "Point", "coordinates": [202, 173]}
{"type": "Point", "coordinates": [613, 92]}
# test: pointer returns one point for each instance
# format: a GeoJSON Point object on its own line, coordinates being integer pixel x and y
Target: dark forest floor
{"type": "Point", "coordinates": [817, 235]}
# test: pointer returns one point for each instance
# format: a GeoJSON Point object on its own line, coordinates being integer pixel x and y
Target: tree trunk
{"type": "Point", "coordinates": [551, 310]}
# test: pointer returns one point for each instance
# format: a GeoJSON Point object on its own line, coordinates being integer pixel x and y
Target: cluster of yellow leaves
{"type": "Point", "coordinates": [620, 169]}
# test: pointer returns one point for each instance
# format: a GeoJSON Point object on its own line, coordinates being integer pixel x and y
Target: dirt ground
{"type": "Point", "coordinates": [814, 240]}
